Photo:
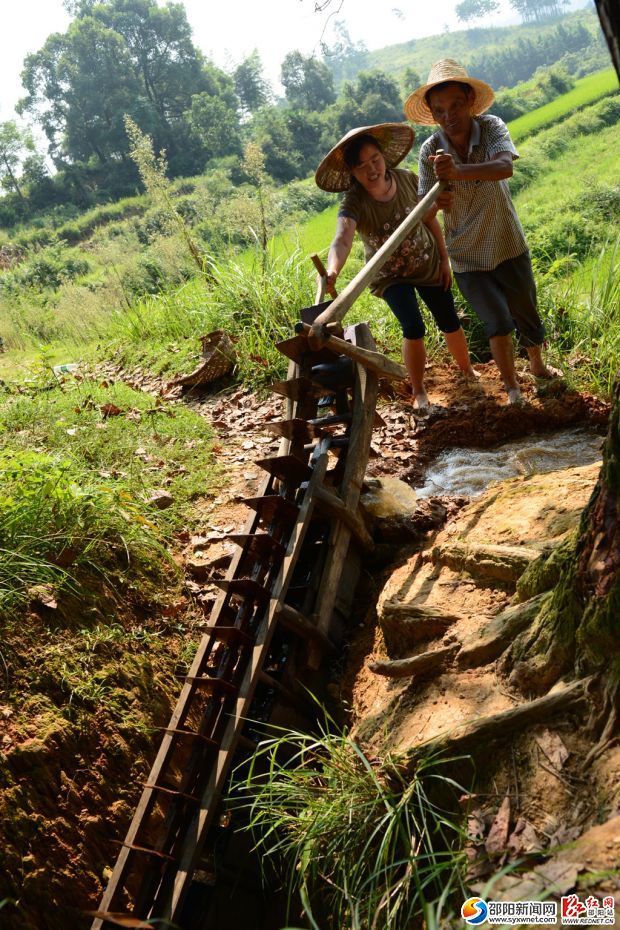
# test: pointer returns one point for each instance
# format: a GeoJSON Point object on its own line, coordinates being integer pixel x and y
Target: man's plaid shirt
{"type": "Point", "coordinates": [482, 228]}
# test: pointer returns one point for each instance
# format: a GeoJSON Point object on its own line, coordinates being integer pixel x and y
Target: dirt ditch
{"type": "Point", "coordinates": [533, 795]}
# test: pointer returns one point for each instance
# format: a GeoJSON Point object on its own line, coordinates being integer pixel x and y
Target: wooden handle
{"type": "Point", "coordinates": [320, 267]}
{"type": "Point", "coordinates": [374, 361]}
{"type": "Point", "coordinates": [448, 185]}
{"type": "Point", "coordinates": [346, 298]}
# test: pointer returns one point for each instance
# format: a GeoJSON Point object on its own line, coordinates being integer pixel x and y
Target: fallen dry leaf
{"type": "Point", "coordinates": [523, 839]}
{"type": "Point", "coordinates": [43, 594]}
{"type": "Point", "coordinates": [110, 410]}
{"type": "Point", "coordinates": [498, 833]}
{"type": "Point", "coordinates": [552, 747]}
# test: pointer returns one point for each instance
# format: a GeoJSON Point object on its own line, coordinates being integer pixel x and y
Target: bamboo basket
{"type": "Point", "coordinates": [218, 355]}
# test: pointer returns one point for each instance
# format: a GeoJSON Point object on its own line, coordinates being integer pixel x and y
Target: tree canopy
{"type": "Point", "coordinates": [16, 148]}
{"type": "Point", "coordinates": [137, 59]}
{"type": "Point", "coordinates": [469, 10]}
{"type": "Point", "coordinates": [120, 57]}
{"type": "Point", "coordinates": [251, 87]}
{"type": "Point", "coordinates": [308, 82]}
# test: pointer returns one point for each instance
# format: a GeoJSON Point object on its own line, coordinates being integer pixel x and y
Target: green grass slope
{"type": "Point", "coordinates": [585, 92]}
{"type": "Point", "coordinates": [575, 200]}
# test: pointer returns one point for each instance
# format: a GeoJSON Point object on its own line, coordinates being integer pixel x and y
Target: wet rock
{"type": "Point", "coordinates": [394, 513]}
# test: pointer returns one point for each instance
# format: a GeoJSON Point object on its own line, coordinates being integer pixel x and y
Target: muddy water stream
{"type": "Point", "coordinates": [468, 472]}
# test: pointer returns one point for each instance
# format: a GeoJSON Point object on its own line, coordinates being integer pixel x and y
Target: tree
{"type": "Point", "coordinates": [14, 146]}
{"type": "Point", "coordinates": [410, 80]}
{"type": "Point", "coordinates": [538, 10]}
{"type": "Point", "coordinates": [214, 126]}
{"type": "Point", "coordinates": [474, 9]}
{"type": "Point", "coordinates": [379, 96]}
{"type": "Point", "coordinates": [308, 83]}
{"type": "Point", "coordinates": [308, 130]}
{"type": "Point", "coordinates": [345, 57]}
{"type": "Point", "coordinates": [609, 15]}
{"type": "Point", "coordinates": [118, 57]}
{"type": "Point", "coordinates": [374, 98]}
{"type": "Point", "coordinates": [79, 85]}
{"type": "Point", "coordinates": [274, 137]}
{"type": "Point", "coordinates": [251, 87]}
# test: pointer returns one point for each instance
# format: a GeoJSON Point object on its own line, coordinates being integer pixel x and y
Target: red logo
{"type": "Point", "coordinates": [572, 906]}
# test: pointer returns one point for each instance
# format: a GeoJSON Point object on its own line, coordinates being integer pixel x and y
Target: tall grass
{"type": "Point", "coordinates": [582, 309]}
{"type": "Point", "coordinates": [258, 305]}
{"type": "Point", "coordinates": [53, 524]}
{"type": "Point", "coordinates": [79, 464]}
{"type": "Point", "coordinates": [363, 846]}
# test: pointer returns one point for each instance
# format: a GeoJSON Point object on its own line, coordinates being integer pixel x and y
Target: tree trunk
{"type": "Point", "coordinates": [13, 179]}
{"type": "Point", "coordinates": [609, 15]}
{"type": "Point", "coordinates": [578, 628]}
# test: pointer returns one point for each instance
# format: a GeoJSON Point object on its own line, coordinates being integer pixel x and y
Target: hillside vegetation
{"type": "Point", "coordinates": [586, 91]}
{"type": "Point", "coordinates": [502, 55]}
{"type": "Point", "coordinates": [136, 59]}
{"type": "Point", "coordinates": [129, 278]}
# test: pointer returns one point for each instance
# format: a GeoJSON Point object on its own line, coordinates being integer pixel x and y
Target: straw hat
{"type": "Point", "coordinates": [416, 107]}
{"type": "Point", "coordinates": [394, 139]}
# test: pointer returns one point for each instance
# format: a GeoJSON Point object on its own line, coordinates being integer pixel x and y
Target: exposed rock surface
{"type": "Point", "coordinates": [444, 617]}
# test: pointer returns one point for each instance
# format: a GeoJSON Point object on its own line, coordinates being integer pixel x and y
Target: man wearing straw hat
{"type": "Point", "coordinates": [473, 151]}
{"type": "Point", "coordinates": [377, 198]}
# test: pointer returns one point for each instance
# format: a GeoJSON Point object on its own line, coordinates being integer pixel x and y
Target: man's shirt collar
{"type": "Point", "coordinates": [474, 138]}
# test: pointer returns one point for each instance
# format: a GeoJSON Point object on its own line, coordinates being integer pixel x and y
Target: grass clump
{"type": "Point", "coordinates": [118, 436]}
{"type": "Point", "coordinates": [80, 463]}
{"type": "Point", "coordinates": [257, 304]}
{"type": "Point", "coordinates": [363, 845]}
{"type": "Point", "coordinates": [582, 311]}
{"type": "Point", "coordinates": [52, 527]}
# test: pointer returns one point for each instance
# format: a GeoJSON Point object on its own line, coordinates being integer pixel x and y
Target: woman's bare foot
{"type": "Point", "coordinates": [546, 372]}
{"type": "Point", "coordinates": [421, 401]}
{"type": "Point", "coordinates": [514, 395]}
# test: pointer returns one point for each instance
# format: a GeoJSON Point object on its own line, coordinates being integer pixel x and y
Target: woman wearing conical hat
{"type": "Point", "coordinates": [484, 237]}
{"type": "Point", "coordinates": [377, 197]}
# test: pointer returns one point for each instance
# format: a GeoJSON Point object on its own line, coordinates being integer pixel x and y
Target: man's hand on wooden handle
{"type": "Point", "coordinates": [442, 173]}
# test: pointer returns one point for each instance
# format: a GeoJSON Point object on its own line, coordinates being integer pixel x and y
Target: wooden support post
{"type": "Point", "coordinates": [365, 393]}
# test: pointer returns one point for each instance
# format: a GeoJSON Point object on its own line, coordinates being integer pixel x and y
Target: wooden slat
{"type": "Point", "coordinates": [297, 349]}
{"type": "Point", "coordinates": [258, 545]}
{"type": "Point", "coordinates": [303, 626]}
{"type": "Point", "coordinates": [273, 508]}
{"type": "Point", "coordinates": [287, 468]}
{"type": "Point", "coordinates": [295, 388]}
{"type": "Point", "coordinates": [294, 429]}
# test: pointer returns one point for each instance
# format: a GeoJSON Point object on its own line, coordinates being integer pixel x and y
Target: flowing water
{"type": "Point", "coordinates": [468, 472]}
